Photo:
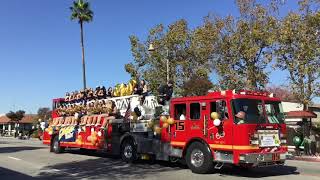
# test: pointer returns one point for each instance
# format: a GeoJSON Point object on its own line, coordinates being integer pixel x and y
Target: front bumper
{"type": "Point", "coordinates": [266, 159]}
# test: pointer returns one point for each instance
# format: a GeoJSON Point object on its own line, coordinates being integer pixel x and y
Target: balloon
{"type": "Point", "coordinates": [163, 118]}
{"type": "Point", "coordinates": [214, 115]}
{"type": "Point", "coordinates": [150, 124]}
{"type": "Point", "coordinates": [78, 141]}
{"type": "Point", "coordinates": [93, 140]}
{"type": "Point", "coordinates": [157, 129]}
{"type": "Point", "coordinates": [89, 138]}
{"type": "Point", "coordinates": [165, 125]}
{"type": "Point", "coordinates": [217, 122]}
{"type": "Point", "coordinates": [170, 121]}
{"type": "Point", "coordinates": [296, 141]}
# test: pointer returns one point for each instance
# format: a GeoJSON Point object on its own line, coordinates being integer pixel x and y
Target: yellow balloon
{"type": "Point", "coordinates": [214, 115]}
{"type": "Point", "coordinates": [170, 121]}
{"type": "Point", "coordinates": [150, 124]}
{"type": "Point", "coordinates": [163, 118]}
{"type": "Point", "coordinates": [157, 129]}
{"type": "Point", "coordinates": [79, 142]}
{"type": "Point", "coordinates": [165, 125]}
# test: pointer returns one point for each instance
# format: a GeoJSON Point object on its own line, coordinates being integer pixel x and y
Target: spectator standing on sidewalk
{"type": "Point", "coordinates": [307, 143]}
{"type": "Point", "coordinates": [313, 143]}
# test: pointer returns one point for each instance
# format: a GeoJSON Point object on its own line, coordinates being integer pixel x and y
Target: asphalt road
{"type": "Point", "coordinates": [29, 159]}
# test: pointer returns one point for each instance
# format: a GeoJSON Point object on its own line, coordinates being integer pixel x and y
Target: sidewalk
{"type": "Point", "coordinates": [13, 138]}
{"type": "Point", "coordinates": [307, 158]}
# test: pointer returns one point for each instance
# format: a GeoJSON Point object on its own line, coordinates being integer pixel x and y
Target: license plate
{"type": "Point", "coordinates": [275, 157]}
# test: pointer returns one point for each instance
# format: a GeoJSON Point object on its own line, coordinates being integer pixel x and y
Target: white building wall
{"type": "Point", "coordinates": [290, 106]}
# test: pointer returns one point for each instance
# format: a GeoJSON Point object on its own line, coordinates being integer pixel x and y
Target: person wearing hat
{"type": "Point", "coordinates": [165, 92]}
{"type": "Point", "coordinates": [240, 116]}
{"type": "Point", "coordinates": [109, 92]}
{"type": "Point", "coordinates": [90, 94]}
{"type": "Point", "coordinates": [67, 97]}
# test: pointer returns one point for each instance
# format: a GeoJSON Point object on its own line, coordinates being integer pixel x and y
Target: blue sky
{"type": "Point", "coordinates": [40, 51]}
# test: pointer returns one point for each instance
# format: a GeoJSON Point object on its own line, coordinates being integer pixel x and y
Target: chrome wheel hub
{"type": "Point", "coordinates": [55, 145]}
{"type": "Point", "coordinates": [128, 151]}
{"type": "Point", "coordinates": [197, 158]}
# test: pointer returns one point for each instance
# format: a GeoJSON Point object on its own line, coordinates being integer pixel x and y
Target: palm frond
{"type": "Point", "coordinates": [81, 11]}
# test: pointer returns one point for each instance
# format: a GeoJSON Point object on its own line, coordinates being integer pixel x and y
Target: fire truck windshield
{"type": "Point", "coordinates": [250, 111]}
{"type": "Point", "coordinates": [274, 112]}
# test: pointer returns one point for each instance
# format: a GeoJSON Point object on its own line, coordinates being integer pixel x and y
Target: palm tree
{"type": "Point", "coordinates": [82, 13]}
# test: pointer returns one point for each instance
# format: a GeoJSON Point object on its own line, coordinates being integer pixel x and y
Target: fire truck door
{"type": "Point", "coordinates": [178, 130]}
{"type": "Point", "coordinates": [219, 136]}
{"type": "Point", "coordinates": [197, 118]}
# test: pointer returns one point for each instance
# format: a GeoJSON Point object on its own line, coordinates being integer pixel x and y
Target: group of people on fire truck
{"type": "Point", "coordinates": [100, 92]}
{"type": "Point", "coordinates": [98, 102]}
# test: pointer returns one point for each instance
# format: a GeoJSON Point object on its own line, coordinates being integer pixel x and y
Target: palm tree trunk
{"type": "Point", "coordinates": [83, 61]}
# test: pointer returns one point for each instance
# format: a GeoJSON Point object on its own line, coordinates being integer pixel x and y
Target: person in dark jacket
{"type": "Point", "coordinates": [165, 92]}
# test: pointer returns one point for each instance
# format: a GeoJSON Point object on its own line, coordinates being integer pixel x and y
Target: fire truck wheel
{"type": "Point", "coordinates": [56, 145]}
{"type": "Point", "coordinates": [199, 158]}
{"type": "Point", "coordinates": [128, 151]}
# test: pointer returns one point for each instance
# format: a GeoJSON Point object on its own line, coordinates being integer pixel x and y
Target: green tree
{"type": "Point", "coordinates": [197, 86]}
{"type": "Point", "coordinates": [245, 47]}
{"type": "Point", "coordinates": [44, 113]}
{"type": "Point", "coordinates": [187, 50]}
{"type": "Point", "coordinates": [282, 92]}
{"type": "Point", "coordinates": [16, 117]}
{"type": "Point", "coordinates": [298, 51]}
{"type": "Point", "coordinates": [81, 12]}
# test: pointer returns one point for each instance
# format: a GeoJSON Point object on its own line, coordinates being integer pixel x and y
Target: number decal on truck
{"type": "Point", "coordinates": [179, 126]}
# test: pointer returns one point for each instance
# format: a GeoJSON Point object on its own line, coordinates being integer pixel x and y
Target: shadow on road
{"type": "Point", "coordinates": [258, 172]}
{"type": "Point", "coordinates": [106, 168]}
{"type": "Point", "coordinates": [12, 175]}
{"type": "Point", "coordinates": [114, 168]}
{"type": "Point", "coordinates": [18, 148]}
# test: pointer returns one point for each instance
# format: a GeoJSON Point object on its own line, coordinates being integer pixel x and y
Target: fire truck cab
{"type": "Point", "coordinates": [248, 131]}
{"type": "Point", "coordinates": [243, 128]}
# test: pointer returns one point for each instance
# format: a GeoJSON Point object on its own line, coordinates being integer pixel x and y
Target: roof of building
{"type": "Point", "coordinates": [27, 119]}
{"type": "Point", "coordinates": [315, 106]}
{"type": "Point", "coordinates": [300, 114]}
{"type": "Point", "coordinates": [4, 119]}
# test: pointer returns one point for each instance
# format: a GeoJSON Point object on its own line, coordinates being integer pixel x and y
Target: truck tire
{"type": "Point", "coordinates": [199, 158]}
{"type": "Point", "coordinates": [128, 151]}
{"type": "Point", "coordinates": [56, 148]}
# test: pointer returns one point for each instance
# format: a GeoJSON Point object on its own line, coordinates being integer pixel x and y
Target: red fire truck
{"type": "Point", "coordinates": [243, 128]}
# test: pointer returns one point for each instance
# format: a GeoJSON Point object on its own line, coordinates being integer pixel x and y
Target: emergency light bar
{"type": "Point", "coordinates": [254, 93]}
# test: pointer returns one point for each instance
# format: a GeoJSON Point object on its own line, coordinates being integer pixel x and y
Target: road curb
{"type": "Point", "coordinates": [309, 159]}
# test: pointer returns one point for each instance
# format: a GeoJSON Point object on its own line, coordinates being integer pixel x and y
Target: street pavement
{"type": "Point", "coordinates": [29, 159]}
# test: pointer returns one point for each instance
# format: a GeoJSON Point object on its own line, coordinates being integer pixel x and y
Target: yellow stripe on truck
{"type": "Point", "coordinates": [218, 146]}
{"type": "Point", "coordinates": [177, 143]}
{"type": "Point", "coordinates": [230, 147]}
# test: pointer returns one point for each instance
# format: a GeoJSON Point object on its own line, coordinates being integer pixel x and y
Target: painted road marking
{"type": "Point", "coordinates": [17, 159]}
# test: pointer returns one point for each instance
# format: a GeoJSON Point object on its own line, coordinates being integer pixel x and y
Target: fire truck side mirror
{"type": "Point", "coordinates": [221, 108]}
